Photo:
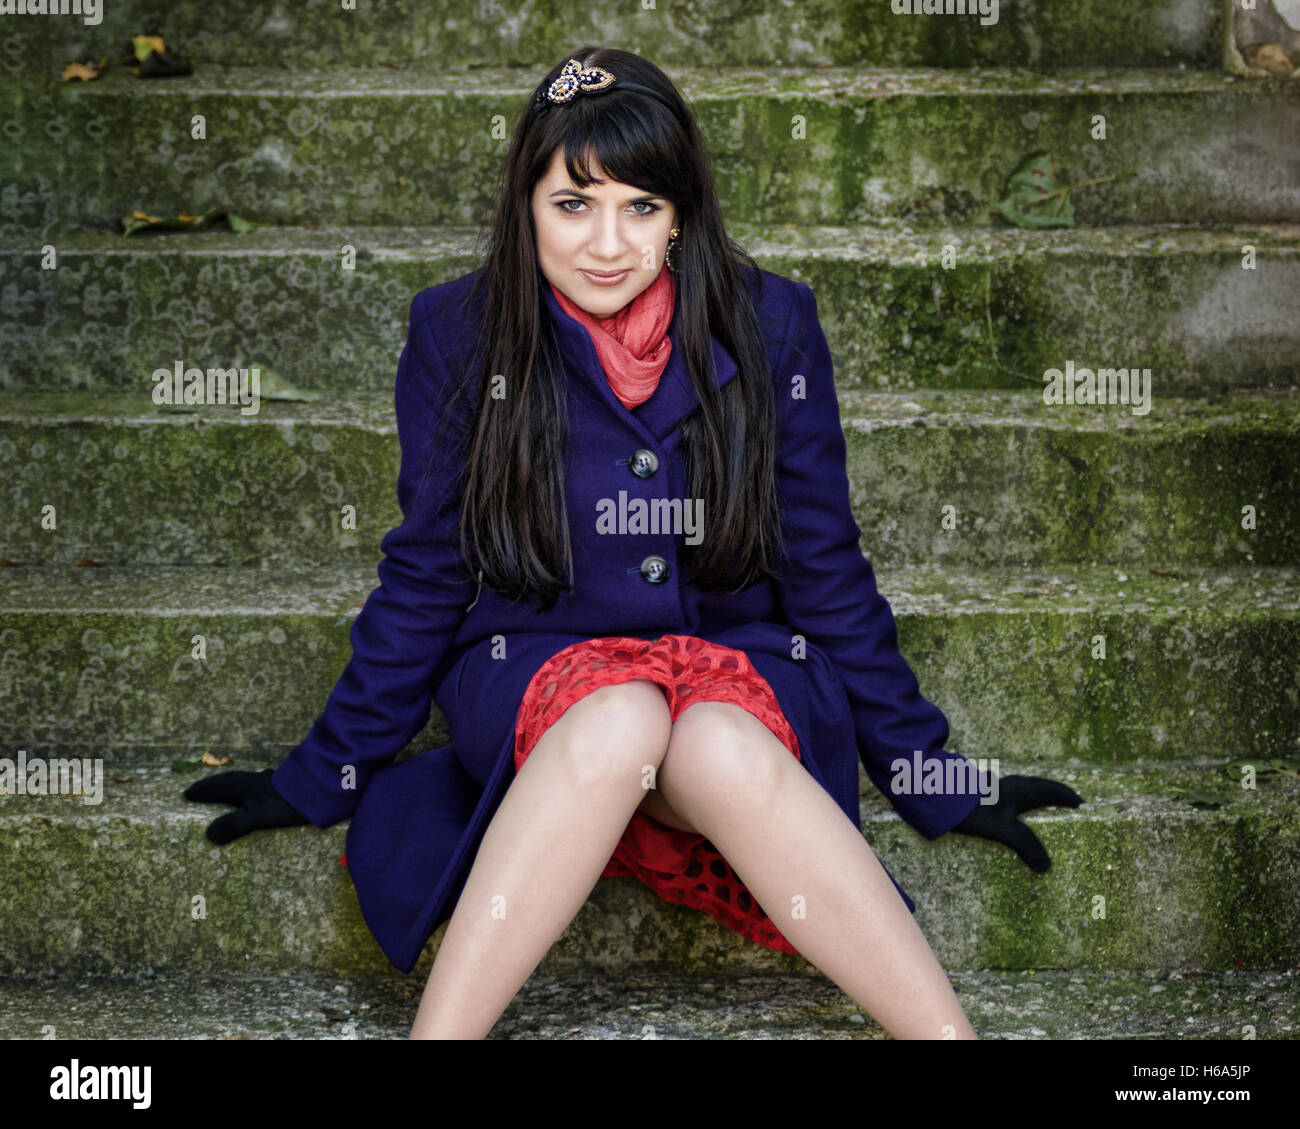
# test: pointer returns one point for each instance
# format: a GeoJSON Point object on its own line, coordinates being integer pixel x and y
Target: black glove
{"type": "Point", "coordinates": [1000, 821]}
{"type": "Point", "coordinates": [259, 805]}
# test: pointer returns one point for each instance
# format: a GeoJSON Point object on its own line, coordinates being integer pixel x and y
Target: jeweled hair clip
{"type": "Point", "coordinates": [575, 79]}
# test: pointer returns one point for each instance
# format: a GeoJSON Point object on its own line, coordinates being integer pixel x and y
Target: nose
{"type": "Point", "coordinates": [607, 242]}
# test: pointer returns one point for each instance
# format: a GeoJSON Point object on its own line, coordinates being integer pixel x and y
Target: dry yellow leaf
{"type": "Point", "coordinates": [79, 70]}
{"type": "Point", "coordinates": [146, 43]}
{"type": "Point", "coordinates": [144, 216]}
{"type": "Point", "coordinates": [188, 217]}
{"type": "Point", "coordinates": [209, 759]}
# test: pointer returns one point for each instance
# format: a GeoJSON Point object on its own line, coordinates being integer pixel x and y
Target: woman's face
{"type": "Point", "coordinates": [605, 227]}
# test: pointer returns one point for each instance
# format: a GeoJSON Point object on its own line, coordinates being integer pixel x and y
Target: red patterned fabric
{"type": "Point", "coordinates": [679, 866]}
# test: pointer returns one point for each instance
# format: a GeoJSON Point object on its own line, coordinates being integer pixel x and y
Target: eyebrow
{"type": "Point", "coordinates": [585, 196]}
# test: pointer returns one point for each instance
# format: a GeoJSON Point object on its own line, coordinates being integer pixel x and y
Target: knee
{"type": "Point", "coordinates": [623, 732]}
{"type": "Point", "coordinates": [719, 750]}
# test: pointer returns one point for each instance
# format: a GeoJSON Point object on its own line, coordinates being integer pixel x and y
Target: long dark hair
{"type": "Point", "coordinates": [513, 524]}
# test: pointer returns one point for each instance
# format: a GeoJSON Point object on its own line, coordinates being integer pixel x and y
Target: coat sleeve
{"type": "Point", "coordinates": [830, 594]}
{"type": "Point", "coordinates": [382, 699]}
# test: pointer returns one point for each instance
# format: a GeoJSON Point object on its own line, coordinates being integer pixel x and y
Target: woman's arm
{"type": "Point", "coordinates": [831, 596]}
{"type": "Point", "coordinates": [383, 696]}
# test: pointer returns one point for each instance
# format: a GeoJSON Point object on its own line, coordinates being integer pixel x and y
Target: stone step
{"type": "Point", "coordinates": [1028, 483]}
{"type": "Point", "coordinates": [110, 886]}
{"type": "Point", "coordinates": [314, 33]}
{"type": "Point", "coordinates": [1168, 297]}
{"type": "Point", "coordinates": [932, 146]}
{"type": "Point", "coordinates": [663, 1004]}
{"type": "Point", "coordinates": [98, 661]}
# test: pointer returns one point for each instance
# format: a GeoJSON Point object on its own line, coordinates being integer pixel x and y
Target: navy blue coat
{"type": "Point", "coordinates": [427, 632]}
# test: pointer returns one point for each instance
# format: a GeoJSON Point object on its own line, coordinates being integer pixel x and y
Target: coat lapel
{"type": "Point", "coordinates": [672, 401]}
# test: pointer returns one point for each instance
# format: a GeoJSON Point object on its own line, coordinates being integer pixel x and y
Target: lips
{"type": "Point", "coordinates": [606, 279]}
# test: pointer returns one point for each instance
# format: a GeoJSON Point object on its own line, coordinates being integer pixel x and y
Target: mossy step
{"type": "Point", "coordinates": [839, 145]}
{"type": "Point", "coordinates": [1011, 304]}
{"type": "Point", "coordinates": [458, 34]}
{"type": "Point", "coordinates": [1101, 664]}
{"type": "Point", "coordinates": [971, 478]}
{"type": "Point", "coordinates": [662, 1004]}
{"type": "Point", "coordinates": [1140, 879]}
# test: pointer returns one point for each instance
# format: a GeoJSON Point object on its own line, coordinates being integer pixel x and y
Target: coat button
{"type": "Point", "coordinates": [644, 463]}
{"type": "Point", "coordinates": [654, 570]}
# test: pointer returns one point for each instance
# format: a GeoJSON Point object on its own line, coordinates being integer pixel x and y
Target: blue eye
{"type": "Point", "coordinates": [563, 206]}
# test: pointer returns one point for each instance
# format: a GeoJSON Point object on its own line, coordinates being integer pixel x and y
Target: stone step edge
{"type": "Point", "coordinates": [666, 1003]}
{"type": "Point", "coordinates": [882, 241]}
{"type": "Point", "coordinates": [169, 591]}
{"type": "Point", "coordinates": [963, 886]}
{"type": "Point", "coordinates": [1268, 409]}
{"type": "Point", "coordinates": [1156, 792]}
{"type": "Point", "coordinates": [835, 84]}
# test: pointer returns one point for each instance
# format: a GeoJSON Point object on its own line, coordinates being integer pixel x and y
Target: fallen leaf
{"type": "Point", "coordinates": [272, 386]}
{"type": "Point", "coordinates": [144, 44]}
{"type": "Point", "coordinates": [1268, 57]}
{"type": "Point", "coordinates": [86, 562]}
{"type": "Point", "coordinates": [1234, 769]}
{"type": "Point", "coordinates": [186, 221]}
{"type": "Point", "coordinates": [79, 70]}
{"type": "Point", "coordinates": [88, 71]}
{"type": "Point", "coordinates": [1036, 196]}
{"type": "Point", "coordinates": [209, 759]}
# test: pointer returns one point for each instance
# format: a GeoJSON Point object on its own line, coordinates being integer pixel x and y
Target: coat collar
{"type": "Point", "coordinates": [672, 401]}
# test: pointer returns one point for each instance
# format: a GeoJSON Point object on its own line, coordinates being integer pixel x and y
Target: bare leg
{"type": "Point", "coordinates": [727, 774]}
{"type": "Point", "coordinates": [542, 853]}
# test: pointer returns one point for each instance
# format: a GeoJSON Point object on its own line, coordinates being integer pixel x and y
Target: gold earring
{"type": "Point", "coordinates": [668, 250]}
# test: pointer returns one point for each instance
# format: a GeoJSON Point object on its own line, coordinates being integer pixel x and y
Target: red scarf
{"type": "Point", "coordinates": [632, 344]}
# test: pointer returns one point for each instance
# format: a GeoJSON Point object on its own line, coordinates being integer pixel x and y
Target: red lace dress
{"type": "Point", "coordinates": [677, 865]}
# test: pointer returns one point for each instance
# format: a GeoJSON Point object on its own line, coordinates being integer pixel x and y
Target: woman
{"type": "Point", "coordinates": [680, 701]}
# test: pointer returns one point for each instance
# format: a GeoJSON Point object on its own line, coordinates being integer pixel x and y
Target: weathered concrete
{"type": "Point", "coordinates": [462, 34]}
{"type": "Point", "coordinates": [964, 478]}
{"type": "Point", "coordinates": [1013, 304]}
{"type": "Point", "coordinates": [665, 1004]}
{"type": "Point", "coordinates": [386, 116]}
{"type": "Point", "coordinates": [101, 659]}
{"type": "Point", "coordinates": [1140, 879]}
{"type": "Point", "coordinates": [826, 146]}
